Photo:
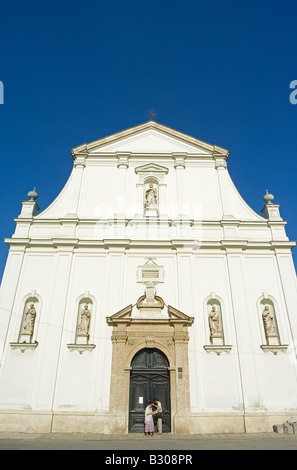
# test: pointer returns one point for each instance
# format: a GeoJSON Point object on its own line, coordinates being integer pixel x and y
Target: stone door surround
{"type": "Point", "coordinates": [169, 334]}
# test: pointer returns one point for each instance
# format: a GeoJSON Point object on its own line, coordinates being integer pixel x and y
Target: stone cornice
{"type": "Point", "coordinates": [123, 244]}
{"type": "Point", "coordinates": [136, 223]}
{"type": "Point", "coordinates": [204, 222]}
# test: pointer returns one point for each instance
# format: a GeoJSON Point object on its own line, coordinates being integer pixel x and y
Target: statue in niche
{"type": "Point", "coordinates": [28, 326]}
{"type": "Point", "coordinates": [83, 327]}
{"type": "Point", "coordinates": [214, 322]}
{"type": "Point", "coordinates": [268, 320]}
{"type": "Point", "coordinates": [151, 199]}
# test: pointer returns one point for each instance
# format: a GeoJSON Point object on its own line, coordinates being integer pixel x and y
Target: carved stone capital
{"type": "Point", "coordinates": [123, 160]}
{"type": "Point", "coordinates": [220, 163]}
{"type": "Point", "coordinates": [179, 160]}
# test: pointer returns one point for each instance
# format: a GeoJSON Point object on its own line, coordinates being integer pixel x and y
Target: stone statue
{"type": "Point", "coordinates": [29, 320]}
{"type": "Point", "coordinates": [83, 327]}
{"type": "Point", "coordinates": [214, 322]}
{"type": "Point", "coordinates": [268, 320]}
{"type": "Point", "coordinates": [150, 196]}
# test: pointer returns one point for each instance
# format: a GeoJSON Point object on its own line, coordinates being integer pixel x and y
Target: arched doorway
{"type": "Point", "coordinates": [160, 367]}
{"type": "Point", "coordinates": [149, 379]}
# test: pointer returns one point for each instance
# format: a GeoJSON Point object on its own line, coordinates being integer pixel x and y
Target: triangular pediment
{"type": "Point", "coordinates": [151, 168]}
{"type": "Point", "coordinates": [149, 138]}
{"type": "Point", "coordinates": [150, 262]}
{"type": "Point", "coordinates": [123, 314]}
{"type": "Point", "coordinates": [178, 315]}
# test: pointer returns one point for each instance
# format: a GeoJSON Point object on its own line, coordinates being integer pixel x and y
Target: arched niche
{"type": "Point", "coordinates": [85, 310]}
{"type": "Point", "coordinates": [151, 195]}
{"type": "Point", "coordinates": [268, 321]}
{"type": "Point", "coordinates": [215, 320]}
{"type": "Point", "coordinates": [30, 319]}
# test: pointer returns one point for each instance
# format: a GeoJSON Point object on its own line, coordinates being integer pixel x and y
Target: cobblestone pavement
{"type": "Point", "coordinates": [139, 442]}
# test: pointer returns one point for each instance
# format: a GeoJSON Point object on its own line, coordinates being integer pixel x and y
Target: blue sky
{"type": "Point", "coordinates": [74, 72]}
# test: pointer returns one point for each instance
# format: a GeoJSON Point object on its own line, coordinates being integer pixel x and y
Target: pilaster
{"type": "Point", "coordinates": [120, 196]}
{"type": "Point", "coordinates": [180, 165]}
{"type": "Point", "coordinates": [8, 290]}
{"type": "Point", "coordinates": [222, 172]}
{"type": "Point", "coordinates": [75, 187]}
{"type": "Point", "coordinates": [53, 337]}
{"type": "Point", "coordinates": [251, 393]}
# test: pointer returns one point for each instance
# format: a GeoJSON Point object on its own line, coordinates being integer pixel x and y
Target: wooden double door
{"type": "Point", "coordinates": [149, 379]}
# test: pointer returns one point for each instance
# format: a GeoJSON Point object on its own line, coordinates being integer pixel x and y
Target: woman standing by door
{"type": "Point", "coordinates": [148, 420]}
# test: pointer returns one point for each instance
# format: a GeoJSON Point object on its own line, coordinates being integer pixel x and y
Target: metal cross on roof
{"type": "Point", "coordinates": [151, 113]}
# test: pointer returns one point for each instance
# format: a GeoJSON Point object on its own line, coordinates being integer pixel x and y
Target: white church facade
{"type": "Point", "coordinates": [148, 276]}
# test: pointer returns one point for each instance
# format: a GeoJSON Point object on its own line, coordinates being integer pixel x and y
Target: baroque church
{"type": "Point", "coordinates": [148, 276]}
